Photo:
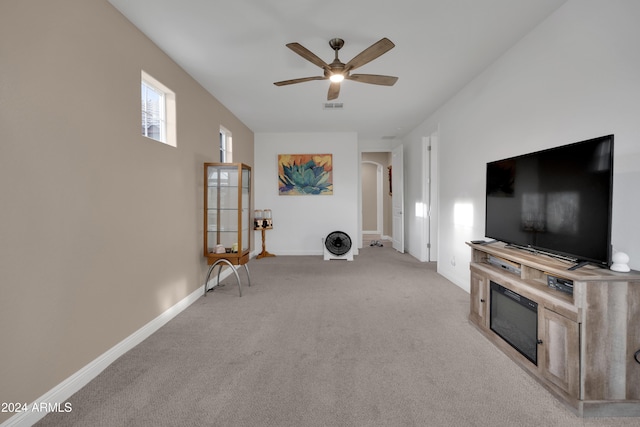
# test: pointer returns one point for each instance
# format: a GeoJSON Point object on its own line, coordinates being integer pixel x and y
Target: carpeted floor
{"type": "Point", "coordinates": [380, 341]}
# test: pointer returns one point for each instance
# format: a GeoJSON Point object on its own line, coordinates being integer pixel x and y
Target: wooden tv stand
{"type": "Point", "coordinates": [588, 341]}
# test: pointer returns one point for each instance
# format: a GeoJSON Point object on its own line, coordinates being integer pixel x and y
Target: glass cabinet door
{"type": "Point", "coordinates": [227, 209]}
{"type": "Point", "coordinates": [246, 217]}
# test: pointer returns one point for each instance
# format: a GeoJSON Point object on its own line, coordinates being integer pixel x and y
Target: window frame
{"type": "Point", "coordinates": [166, 109]}
{"type": "Point", "coordinates": [226, 145]}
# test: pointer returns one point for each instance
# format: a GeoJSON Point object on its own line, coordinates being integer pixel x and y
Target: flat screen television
{"type": "Point", "coordinates": [557, 201]}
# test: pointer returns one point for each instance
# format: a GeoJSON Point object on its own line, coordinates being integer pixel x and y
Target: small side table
{"type": "Point", "coordinates": [264, 227]}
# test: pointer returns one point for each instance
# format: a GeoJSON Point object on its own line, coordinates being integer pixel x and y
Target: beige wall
{"type": "Point", "coordinates": [369, 196]}
{"type": "Point", "coordinates": [100, 228]}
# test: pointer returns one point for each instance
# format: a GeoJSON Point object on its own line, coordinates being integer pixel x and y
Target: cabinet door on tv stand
{"type": "Point", "coordinates": [559, 352]}
{"type": "Point", "coordinates": [479, 301]}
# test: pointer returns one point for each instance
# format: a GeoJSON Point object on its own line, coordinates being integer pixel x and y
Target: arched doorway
{"type": "Point", "coordinates": [375, 197]}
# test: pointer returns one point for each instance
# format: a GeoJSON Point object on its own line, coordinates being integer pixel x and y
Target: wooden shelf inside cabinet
{"type": "Point", "coordinates": [227, 221]}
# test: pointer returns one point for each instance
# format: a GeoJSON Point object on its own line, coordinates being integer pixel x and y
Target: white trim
{"type": "Point", "coordinates": [425, 238]}
{"type": "Point", "coordinates": [379, 198]}
{"type": "Point", "coordinates": [66, 389]}
{"type": "Point", "coordinates": [434, 196]}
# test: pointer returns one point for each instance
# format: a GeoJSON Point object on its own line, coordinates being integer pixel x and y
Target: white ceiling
{"type": "Point", "coordinates": [236, 50]}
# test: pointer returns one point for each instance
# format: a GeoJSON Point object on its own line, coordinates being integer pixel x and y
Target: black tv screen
{"type": "Point", "coordinates": [557, 200]}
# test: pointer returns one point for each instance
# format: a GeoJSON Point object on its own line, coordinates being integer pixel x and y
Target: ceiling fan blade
{"type": "Point", "coordinates": [373, 79]}
{"type": "Point", "coordinates": [370, 53]}
{"type": "Point", "coordinates": [334, 91]}
{"type": "Point", "coordinates": [308, 55]}
{"type": "Point", "coordinates": [301, 80]}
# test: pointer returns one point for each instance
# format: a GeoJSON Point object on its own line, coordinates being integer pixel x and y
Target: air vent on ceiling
{"type": "Point", "coordinates": [388, 137]}
{"type": "Point", "coordinates": [333, 106]}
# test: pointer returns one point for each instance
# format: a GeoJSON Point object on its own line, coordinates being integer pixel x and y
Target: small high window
{"type": "Point", "coordinates": [226, 146]}
{"type": "Point", "coordinates": [158, 110]}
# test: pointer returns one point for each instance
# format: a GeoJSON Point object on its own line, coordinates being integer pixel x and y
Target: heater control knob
{"type": "Point", "coordinates": [539, 342]}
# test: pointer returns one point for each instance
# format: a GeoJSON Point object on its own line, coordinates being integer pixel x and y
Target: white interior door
{"type": "Point", "coordinates": [430, 200]}
{"type": "Point", "coordinates": [433, 197]}
{"type": "Point", "coordinates": [397, 198]}
{"type": "Point", "coordinates": [424, 213]}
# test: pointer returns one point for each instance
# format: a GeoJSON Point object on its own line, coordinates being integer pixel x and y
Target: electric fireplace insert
{"type": "Point", "coordinates": [515, 319]}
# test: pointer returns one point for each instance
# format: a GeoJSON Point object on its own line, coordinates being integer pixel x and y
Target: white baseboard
{"type": "Point", "coordinates": [371, 232]}
{"type": "Point", "coordinates": [63, 391]}
{"type": "Point", "coordinates": [382, 236]}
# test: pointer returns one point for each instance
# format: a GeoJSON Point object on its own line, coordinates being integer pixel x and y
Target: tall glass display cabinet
{"type": "Point", "coordinates": [227, 219]}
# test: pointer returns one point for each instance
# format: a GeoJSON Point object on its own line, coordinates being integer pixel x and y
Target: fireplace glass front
{"type": "Point", "coordinates": [515, 319]}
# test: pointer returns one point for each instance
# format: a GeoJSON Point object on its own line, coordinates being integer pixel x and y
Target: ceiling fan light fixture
{"type": "Point", "coordinates": [337, 71]}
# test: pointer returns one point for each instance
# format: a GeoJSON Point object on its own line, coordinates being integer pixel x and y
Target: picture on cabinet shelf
{"type": "Point", "coordinates": [305, 174]}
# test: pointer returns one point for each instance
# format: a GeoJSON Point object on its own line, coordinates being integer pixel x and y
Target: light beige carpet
{"type": "Point", "coordinates": [380, 341]}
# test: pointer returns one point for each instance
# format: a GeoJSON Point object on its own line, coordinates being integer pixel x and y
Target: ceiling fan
{"type": "Point", "coordinates": [338, 71]}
